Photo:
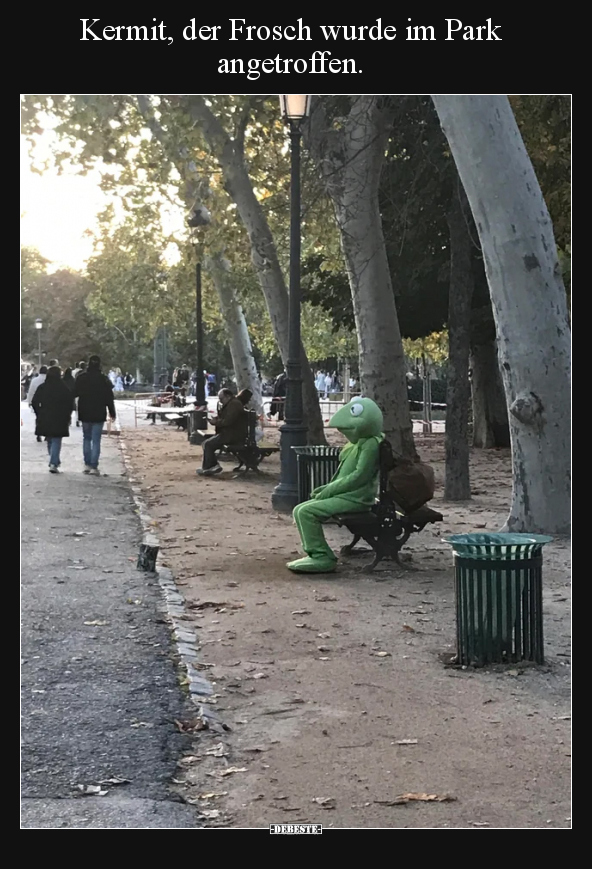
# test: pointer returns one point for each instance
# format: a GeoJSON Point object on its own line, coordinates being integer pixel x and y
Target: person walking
{"type": "Point", "coordinates": [328, 384]}
{"type": "Point", "coordinates": [95, 397]}
{"type": "Point", "coordinates": [68, 379]}
{"type": "Point", "coordinates": [52, 404]}
{"type": "Point", "coordinates": [77, 371]}
{"type": "Point", "coordinates": [34, 386]}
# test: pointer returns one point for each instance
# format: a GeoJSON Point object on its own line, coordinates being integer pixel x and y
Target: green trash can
{"type": "Point", "coordinates": [317, 465]}
{"type": "Point", "coordinates": [499, 597]}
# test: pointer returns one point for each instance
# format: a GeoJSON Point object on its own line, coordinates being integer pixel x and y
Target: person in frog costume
{"type": "Point", "coordinates": [353, 489]}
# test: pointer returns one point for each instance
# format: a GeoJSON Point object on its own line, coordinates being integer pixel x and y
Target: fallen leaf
{"type": "Point", "coordinates": [260, 676]}
{"type": "Point", "coordinates": [209, 813]}
{"type": "Point", "coordinates": [513, 672]}
{"type": "Point", "coordinates": [232, 769]}
{"type": "Point", "coordinates": [300, 612]}
{"type": "Point", "coordinates": [218, 750]}
{"type": "Point", "coordinates": [325, 597]}
{"type": "Point", "coordinates": [324, 802]}
{"type": "Point", "coordinates": [479, 823]}
{"type": "Point", "coordinates": [382, 654]}
{"type": "Point", "coordinates": [257, 748]}
{"type": "Point", "coordinates": [141, 724]}
{"type": "Point", "coordinates": [424, 798]}
{"type": "Point", "coordinates": [91, 790]}
{"type": "Point", "coordinates": [406, 742]}
{"type": "Point", "coordinates": [95, 623]}
{"type": "Point", "coordinates": [409, 628]}
{"type": "Point", "coordinates": [115, 781]}
{"type": "Point", "coordinates": [189, 759]}
{"type": "Point", "coordinates": [324, 635]}
{"type": "Point", "coordinates": [205, 604]}
{"type": "Point", "coordinates": [212, 796]}
{"type": "Point", "coordinates": [324, 649]}
{"type": "Point", "coordinates": [192, 725]}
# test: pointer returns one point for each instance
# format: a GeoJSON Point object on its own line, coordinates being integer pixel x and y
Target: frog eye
{"type": "Point", "coordinates": [357, 409]}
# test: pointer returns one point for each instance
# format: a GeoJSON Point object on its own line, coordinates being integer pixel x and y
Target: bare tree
{"type": "Point", "coordinates": [528, 299]}
{"type": "Point", "coordinates": [230, 155]}
{"type": "Point", "coordinates": [350, 156]}
{"type": "Point", "coordinates": [236, 329]}
{"type": "Point", "coordinates": [458, 486]}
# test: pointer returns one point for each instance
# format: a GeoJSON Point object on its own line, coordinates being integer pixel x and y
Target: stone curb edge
{"type": "Point", "coordinates": [185, 640]}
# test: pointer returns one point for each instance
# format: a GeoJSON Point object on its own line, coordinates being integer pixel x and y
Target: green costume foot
{"type": "Point", "coordinates": [313, 565]}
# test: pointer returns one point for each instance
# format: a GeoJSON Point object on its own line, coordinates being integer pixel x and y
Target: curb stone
{"type": "Point", "coordinates": [185, 641]}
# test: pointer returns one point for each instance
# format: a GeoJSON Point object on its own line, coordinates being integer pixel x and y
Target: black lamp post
{"type": "Point", "coordinates": [200, 217]}
{"type": "Point", "coordinates": [200, 387]}
{"type": "Point", "coordinates": [39, 327]}
{"type": "Point", "coordinates": [295, 107]}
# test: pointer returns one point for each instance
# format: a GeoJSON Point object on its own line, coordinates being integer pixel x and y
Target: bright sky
{"type": "Point", "coordinates": [56, 210]}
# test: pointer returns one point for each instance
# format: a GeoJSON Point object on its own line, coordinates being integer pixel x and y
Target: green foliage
{"type": "Point", "coordinates": [69, 331]}
{"type": "Point", "coordinates": [545, 123]}
{"type": "Point", "coordinates": [433, 347]}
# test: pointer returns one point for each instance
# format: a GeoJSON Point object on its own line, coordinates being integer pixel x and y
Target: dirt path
{"type": "Point", "coordinates": [333, 685]}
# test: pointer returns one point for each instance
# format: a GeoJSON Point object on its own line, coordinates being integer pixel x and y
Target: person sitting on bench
{"type": "Point", "coordinates": [353, 489]}
{"type": "Point", "coordinates": [244, 396]}
{"type": "Point", "coordinates": [231, 428]}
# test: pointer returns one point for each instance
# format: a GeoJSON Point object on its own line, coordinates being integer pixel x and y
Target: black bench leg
{"type": "Point", "coordinates": [378, 556]}
{"type": "Point", "coordinates": [400, 563]}
{"type": "Point", "coordinates": [347, 550]}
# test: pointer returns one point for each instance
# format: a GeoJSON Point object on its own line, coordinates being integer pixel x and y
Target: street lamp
{"type": "Point", "coordinates": [294, 107]}
{"type": "Point", "coordinates": [200, 216]}
{"type": "Point", "coordinates": [39, 327]}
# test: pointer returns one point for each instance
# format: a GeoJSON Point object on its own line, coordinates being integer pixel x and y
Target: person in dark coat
{"type": "Point", "coordinates": [52, 404]}
{"type": "Point", "coordinates": [68, 379]}
{"type": "Point", "coordinates": [279, 394]}
{"type": "Point", "coordinates": [244, 396]}
{"type": "Point", "coordinates": [94, 392]}
{"type": "Point", "coordinates": [231, 428]}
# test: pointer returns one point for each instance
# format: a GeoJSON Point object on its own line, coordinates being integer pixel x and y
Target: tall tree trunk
{"type": "Point", "coordinates": [490, 414]}
{"type": "Point", "coordinates": [264, 255]}
{"type": "Point", "coordinates": [350, 161]}
{"type": "Point", "coordinates": [528, 299]}
{"type": "Point", "coordinates": [235, 325]}
{"type": "Point", "coordinates": [458, 393]}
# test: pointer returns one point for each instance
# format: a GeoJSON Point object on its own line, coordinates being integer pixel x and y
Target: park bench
{"type": "Point", "coordinates": [386, 527]}
{"type": "Point", "coordinates": [249, 454]}
{"type": "Point", "coordinates": [174, 413]}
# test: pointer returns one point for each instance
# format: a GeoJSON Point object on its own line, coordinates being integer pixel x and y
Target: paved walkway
{"type": "Point", "coordinates": [99, 684]}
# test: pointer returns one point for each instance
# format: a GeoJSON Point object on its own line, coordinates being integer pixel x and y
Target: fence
{"type": "Point", "coordinates": [144, 402]}
{"type": "Point", "coordinates": [330, 406]}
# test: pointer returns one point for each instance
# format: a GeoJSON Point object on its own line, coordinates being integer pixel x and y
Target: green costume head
{"type": "Point", "coordinates": [361, 418]}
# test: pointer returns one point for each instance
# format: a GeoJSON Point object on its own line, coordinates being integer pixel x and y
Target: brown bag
{"type": "Point", "coordinates": [411, 484]}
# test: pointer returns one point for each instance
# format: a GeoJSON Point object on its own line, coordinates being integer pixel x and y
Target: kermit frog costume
{"type": "Point", "coordinates": [353, 489]}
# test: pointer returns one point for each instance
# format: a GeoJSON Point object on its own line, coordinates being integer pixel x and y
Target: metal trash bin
{"type": "Point", "coordinates": [317, 465]}
{"type": "Point", "coordinates": [196, 420]}
{"type": "Point", "coordinates": [499, 597]}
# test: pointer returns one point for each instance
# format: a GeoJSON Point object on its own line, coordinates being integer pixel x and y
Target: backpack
{"type": "Point", "coordinates": [410, 484]}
